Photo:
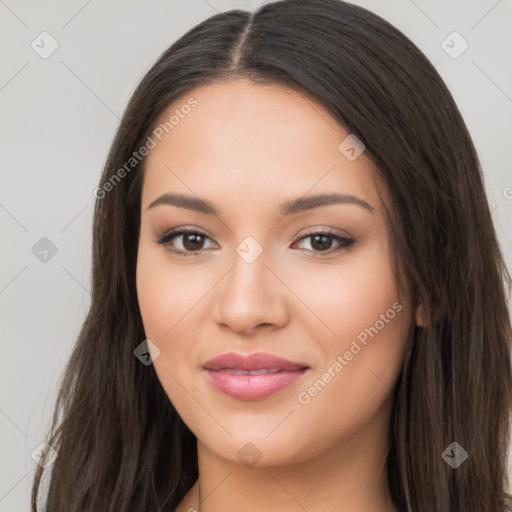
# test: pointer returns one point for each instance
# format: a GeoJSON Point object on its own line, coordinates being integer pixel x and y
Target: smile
{"type": "Point", "coordinates": [252, 376]}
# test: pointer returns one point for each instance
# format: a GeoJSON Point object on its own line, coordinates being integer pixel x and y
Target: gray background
{"type": "Point", "coordinates": [59, 116]}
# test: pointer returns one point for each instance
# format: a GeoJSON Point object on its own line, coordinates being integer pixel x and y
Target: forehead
{"type": "Point", "coordinates": [248, 141]}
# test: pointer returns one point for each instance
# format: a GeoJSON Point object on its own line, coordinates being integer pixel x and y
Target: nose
{"type": "Point", "coordinates": [251, 298]}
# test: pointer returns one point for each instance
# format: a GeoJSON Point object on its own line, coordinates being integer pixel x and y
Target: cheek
{"type": "Point", "coordinates": [348, 296]}
{"type": "Point", "coordinates": [363, 353]}
{"type": "Point", "coordinates": [151, 296]}
{"type": "Point", "coordinates": [169, 298]}
{"type": "Point", "coordinates": [364, 292]}
{"type": "Point", "coordinates": [373, 320]}
{"type": "Point", "coordinates": [165, 292]}
{"type": "Point", "coordinates": [163, 303]}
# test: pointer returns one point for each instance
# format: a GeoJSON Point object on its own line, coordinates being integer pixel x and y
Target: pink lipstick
{"type": "Point", "coordinates": [252, 377]}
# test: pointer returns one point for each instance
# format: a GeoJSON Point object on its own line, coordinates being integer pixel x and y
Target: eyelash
{"type": "Point", "coordinates": [345, 243]}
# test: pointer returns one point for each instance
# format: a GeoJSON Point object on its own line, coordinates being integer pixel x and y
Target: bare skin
{"type": "Point", "coordinates": [247, 148]}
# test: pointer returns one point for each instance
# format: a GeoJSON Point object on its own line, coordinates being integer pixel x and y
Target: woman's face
{"type": "Point", "coordinates": [261, 281]}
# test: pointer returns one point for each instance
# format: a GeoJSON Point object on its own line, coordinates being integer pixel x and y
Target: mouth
{"type": "Point", "coordinates": [264, 371]}
{"type": "Point", "coordinates": [253, 377]}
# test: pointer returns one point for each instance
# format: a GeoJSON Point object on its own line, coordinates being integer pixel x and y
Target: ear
{"type": "Point", "coordinates": [420, 316]}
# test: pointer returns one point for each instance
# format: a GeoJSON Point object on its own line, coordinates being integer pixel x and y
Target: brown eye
{"type": "Point", "coordinates": [323, 242]}
{"type": "Point", "coordinates": [192, 242]}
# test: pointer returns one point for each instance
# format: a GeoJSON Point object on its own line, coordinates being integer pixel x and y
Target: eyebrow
{"type": "Point", "coordinates": [287, 208]}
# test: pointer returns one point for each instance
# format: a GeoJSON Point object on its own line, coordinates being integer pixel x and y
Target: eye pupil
{"type": "Point", "coordinates": [196, 243]}
{"type": "Point", "coordinates": [325, 244]}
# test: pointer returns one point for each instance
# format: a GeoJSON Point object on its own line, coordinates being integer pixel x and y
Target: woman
{"type": "Point", "coordinates": [298, 297]}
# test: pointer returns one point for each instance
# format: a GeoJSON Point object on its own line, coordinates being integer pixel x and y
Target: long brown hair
{"type": "Point", "coordinates": [122, 446]}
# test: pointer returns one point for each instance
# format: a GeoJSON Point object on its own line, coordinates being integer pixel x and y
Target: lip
{"type": "Point", "coordinates": [225, 374]}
